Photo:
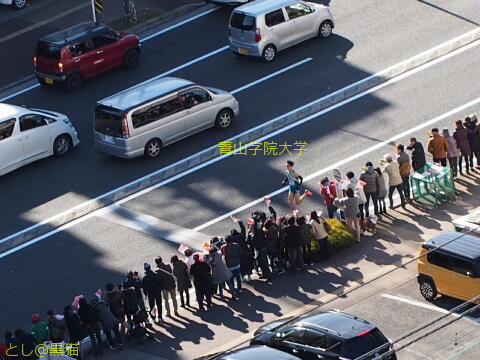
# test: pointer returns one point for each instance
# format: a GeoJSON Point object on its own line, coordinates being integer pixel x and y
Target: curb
{"type": "Point", "coordinates": [208, 154]}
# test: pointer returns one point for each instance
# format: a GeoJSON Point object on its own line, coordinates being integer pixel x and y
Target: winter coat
{"type": "Point", "coordinates": [88, 314]}
{"type": "Point", "coordinates": [418, 156]}
{"type": "Point", "coordinates": [382, 189]}
{"type": "Point", "coordinates": [438, 147]}
{"type": "Point", "coordinates": [130, 301]}
{"type": "Point", "coordinates": [305, 232]}
{"type": "Point", "coordinates": [453, 150]}
{"type": "Point", "coordinates": [461, 137]}
{"type": "Point", "coordinates": [76, 332]}
{"type": "Point", "coordinates": [200, 271]}
{"type": "Point", "coordinates": [232, 253]}
{"type": "Point", "coordinates": [152, 284]}
{"type": "Point", "coordinates": [180, 270]}
{"type": "Point", "coordinates": [318, 229]}
{"type": "Point", "coordinates": [247, 261]}
{"type": "Point", "coordinates": [220, 271]}
{"type": "Point", "coordinates": [404, 163]}
{"type": "Point", "coordinates": [258, 237]}
{"type": "Point", "coordinates": [108, 320]}
{"type": "Point", "coordinates": [392, 169]}
{"type": "Point", "coordinates": [164, 271]}
{"type": "Point", "coordinates": [114, 300]}
{"type": "Point", "coordinates": [370, 177]}
{"type": "Point", "coordinates": [358, 189]}
{"type": "Point", "coordinates": [57, 329]}
{"type": "Point", "coordinates": [473, 138]}
{"type": "Point", "coordinates": [293, 237]}
{"type": "Point", "coordinates": [41, 332]}
{"type": "Point", "coordinates": [272, 239]}
{"type": "Point", "coordinates": [350, 205]}
{"type": "Point", "coordinates": [331, 190]}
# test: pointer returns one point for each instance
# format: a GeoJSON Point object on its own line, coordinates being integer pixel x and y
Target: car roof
{"type": "Point", "coordinates": [337, 323]}
{"type": "Point", "coordinates": [7, 111]}
{"type": "Point", "coordinates": [74, 33]}
{"type": "Point", "coordinates": [467, 246]}
{"type": "Point", "coordinates": [144, 92]}
{"type": "Point", "coordinates": [257, 352]}
{"type": "Point", "coordinates": [260, 7]}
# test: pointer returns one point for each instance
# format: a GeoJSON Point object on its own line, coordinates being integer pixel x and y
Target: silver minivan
{"type": "Point", "coordinates": [146, 117]}
{"type": "Point", "coordinates": [262, 28]}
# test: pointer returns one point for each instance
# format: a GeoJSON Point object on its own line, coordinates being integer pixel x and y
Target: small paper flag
{"type": "Point", "coordinates": [76, 300]}
{"type": "Point", "coordinates": [182, 248]}
{"type": "Point", "coordinates": [250, 221]}
{"type": "Point", "coordinates": [362, 183]}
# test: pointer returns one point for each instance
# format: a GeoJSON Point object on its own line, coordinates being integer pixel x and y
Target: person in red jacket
{"type": "Point", "coordinates": [328, 190]}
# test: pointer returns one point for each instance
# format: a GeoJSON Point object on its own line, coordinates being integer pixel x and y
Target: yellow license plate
{"type": "Point", "coordinates": [49, 81]}
{"type": "Point", "coordinates": [243, 51]}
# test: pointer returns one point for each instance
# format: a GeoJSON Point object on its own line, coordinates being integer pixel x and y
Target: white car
{"type": "Point", "coordinates": [27, 135]}
{"type": "Point", "coordinates": [17, 4]}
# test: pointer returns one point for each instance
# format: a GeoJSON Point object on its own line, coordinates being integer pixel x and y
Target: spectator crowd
{"type": "Point", "coordinates": [266, 245]}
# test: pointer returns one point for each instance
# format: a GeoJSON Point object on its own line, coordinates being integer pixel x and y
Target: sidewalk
{"type": "Point", "coordinates": [397, 240]}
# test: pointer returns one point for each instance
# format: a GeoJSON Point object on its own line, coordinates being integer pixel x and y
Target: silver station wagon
{"type": "Point", "coordinates": [146, 117]}
{"type": "Point", "coordinates": [27, 135]}
{"type": "Point", "coordinates": [262, 28]}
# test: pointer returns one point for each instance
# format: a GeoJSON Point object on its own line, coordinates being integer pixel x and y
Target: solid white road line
{"type": "Point", "coordinates": [34, 86]}
{"type": "Point", "coordinates": [276, 73]}
{"type": "Point", "coordinates": [193, 18]}
{"type": "Point", "coordinates": [286, 128]}
{"type": "Point", "coordinates": [418, 304]}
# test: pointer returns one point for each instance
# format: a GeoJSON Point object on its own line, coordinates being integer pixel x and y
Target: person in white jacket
{"type": "Point", "coordinates": [395, 181]}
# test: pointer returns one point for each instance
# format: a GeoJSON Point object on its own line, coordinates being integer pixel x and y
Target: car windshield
{"type": "Point", "coordinates": [108, 121]}
{"type": "Point", "coordinates": [48, 50]}
{"type": "Point", "coordinates": [242, 21]}
{"type": "Point", "coordinates": [360, 345]}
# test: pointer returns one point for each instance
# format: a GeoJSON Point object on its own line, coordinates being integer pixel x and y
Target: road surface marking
{"type": "Point", "coordinates": [284, 129]}
{"type": "Point", "coordinates": [466, 348]}
{"type": "Point", "coordinates": [276, 73]}
{"type": "Point", "coordinates": [193, 18]}
{"type": "Point", "coordinates": [418, 304]}
{"type": "Point", "coordinates": [44, 22]}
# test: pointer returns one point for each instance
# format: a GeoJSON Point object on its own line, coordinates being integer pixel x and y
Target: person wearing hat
{"type": "Point", "coordinates": [152, 288]}
{"type": "Point", "coordinates": [39, 330]}
{"type": "Point", "coordinates": [453, 152]}
{"type": "Point", "coordinates": [438, 147]}
{"type": "Point", "coordinates": [395, 181]}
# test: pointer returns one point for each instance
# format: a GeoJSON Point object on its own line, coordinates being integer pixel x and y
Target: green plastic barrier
{"type": "Point", "coordinates": [433, 185]}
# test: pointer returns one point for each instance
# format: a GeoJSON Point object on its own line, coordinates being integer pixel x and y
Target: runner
{"type": "Point", "coordinates": [294, 181]}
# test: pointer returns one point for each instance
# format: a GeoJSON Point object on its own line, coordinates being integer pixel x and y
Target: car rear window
{"type": "Point", "coordinates": [48, 50]}
{"type": "Point", "coordinates": [108, 121]}
{"type": "Point", "coordinates": [242, 21]}
{"type": "Point", "coordinates": [360, 345]}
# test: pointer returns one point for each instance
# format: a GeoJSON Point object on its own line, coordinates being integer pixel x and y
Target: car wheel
{"type": "Point", "coordinates": [132, 59]}
{"type": "Point", "coordinates": [74, 82]}
{"type": "Point", "coordinates": [269, 53]}
{"type": "Point", "coordinates": [152, 149]}
{"type": "Point", "coordinates": [224, 119]}
{"type": "Point", "coordinates": [325, 29]}
{"type": "Point", "coordinates": [19, 4]}
{"type": "Point", "coordinates": [62, 145]}
{"type": "Point", "coordinates": [428, 290]}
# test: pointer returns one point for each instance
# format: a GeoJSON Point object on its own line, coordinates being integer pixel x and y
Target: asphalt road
{"type": "Point", "coordinates": [97, 251]}
{"type": "Point", "coordinates": [358, 49]}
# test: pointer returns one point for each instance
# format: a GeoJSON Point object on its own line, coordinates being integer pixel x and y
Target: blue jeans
{"type": "Point", "coordinates": [235, 276]}
{"type": "Point", "coordinates": [332, 209]}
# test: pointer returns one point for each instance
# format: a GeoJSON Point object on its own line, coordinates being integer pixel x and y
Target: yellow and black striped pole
{"type": "Point", "coordinates": [97, 9]}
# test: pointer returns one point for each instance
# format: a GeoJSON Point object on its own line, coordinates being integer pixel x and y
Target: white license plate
{"type": "Point", "coordinates": [108, 139]}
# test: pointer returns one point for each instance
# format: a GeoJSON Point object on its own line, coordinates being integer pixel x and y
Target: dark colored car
{"type": "Point", "coordinates": [251, 353]}
{"type": "Point", "coordinates": [71, 56]}
{"type": "Point", "coordinates": [327, 335]}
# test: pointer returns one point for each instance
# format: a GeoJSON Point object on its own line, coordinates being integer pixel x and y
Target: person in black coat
{"type": "Point", "coordinates": [152, 288]}
{"type": "Point", "coordinates": [26, 344]}
{"type": "Point", "coordinates": [247, 255]}
{"type": "Point", "coordinates": [200, 271]}
{"type": "Point", "coordinates": [76, 331]}
{"type": "Point", "coordinates": [293, 243]}
{"type": "Point", "coordinates": [91, 321]}
{"type": "Point", "coordinates": [133, 281]}
{"type": "Point", "coordinates": [418, 154]}
{"type": "Point", "coordinates": [180, 271]}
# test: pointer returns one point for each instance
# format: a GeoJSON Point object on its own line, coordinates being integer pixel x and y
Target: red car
{"type": "Point", "coordinates": [71, 56]}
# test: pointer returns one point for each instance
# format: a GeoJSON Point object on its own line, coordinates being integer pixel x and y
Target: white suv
{"type": "Point", "coordinates": [17, 4]}
{"type": "Point", "coordinates": [27, 135]}
{"type": "Point", "coordinates": [262, 28]}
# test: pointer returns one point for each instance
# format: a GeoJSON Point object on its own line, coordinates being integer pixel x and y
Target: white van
{"type": "Point", "coordinates": [146, 117]}
{"type": "Point", "coordinates": [27, 135]}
